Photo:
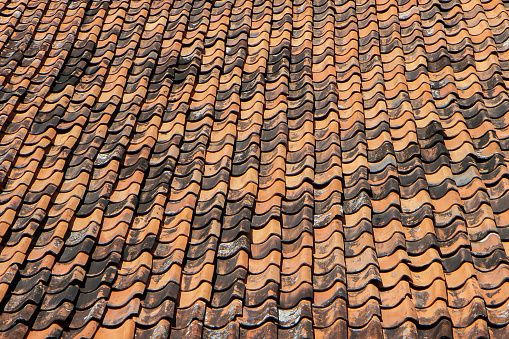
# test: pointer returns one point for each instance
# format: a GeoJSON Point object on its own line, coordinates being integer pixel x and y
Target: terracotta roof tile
{"type": "Point", "coordinates": [253, 168]}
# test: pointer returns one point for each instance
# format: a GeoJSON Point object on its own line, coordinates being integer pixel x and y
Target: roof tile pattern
{"type": "Point", "coordinates": [254, 169]}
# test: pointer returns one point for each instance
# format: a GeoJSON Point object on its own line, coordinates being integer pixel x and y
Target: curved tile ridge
{"type": "Point", "coordinates": [254, 169]}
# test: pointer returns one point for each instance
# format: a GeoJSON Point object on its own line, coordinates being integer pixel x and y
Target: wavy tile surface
{"type": "Point", "coordinates": [254, 169]}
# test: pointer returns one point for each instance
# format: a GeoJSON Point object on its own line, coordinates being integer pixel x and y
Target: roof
{"type": "Point", "coordinates": [254, 168]}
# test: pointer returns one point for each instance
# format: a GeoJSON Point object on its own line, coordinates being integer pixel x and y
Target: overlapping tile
{"type": "Point", "coordinates": [254, 168]}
